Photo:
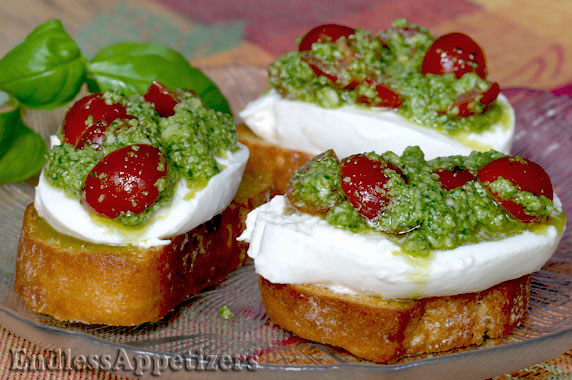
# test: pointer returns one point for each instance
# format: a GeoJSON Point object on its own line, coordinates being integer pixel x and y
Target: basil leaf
{"type": "Point", "coordinates": [7, 118]}
{"type": "Point", "coordinates": [132, 66]}
{"type": "Point", "coordinates": [46, 70]}
{"type": "Point", "coordinates": [22, 151]}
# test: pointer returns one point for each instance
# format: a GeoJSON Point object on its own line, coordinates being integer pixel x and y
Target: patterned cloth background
{"type": "Point", "coordinates": [527, 44]}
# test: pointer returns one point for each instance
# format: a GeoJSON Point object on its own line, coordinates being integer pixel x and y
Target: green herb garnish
{"type": "Point", "coordinates": [225, 312]}
{"type": "Point", "coordinates": [48, 69]}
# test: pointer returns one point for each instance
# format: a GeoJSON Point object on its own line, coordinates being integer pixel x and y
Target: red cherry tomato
{"type": "Point", "coordinates": [92, 105]}
{"type": "Point", "coordinates": [353, 84]}
{"type": "Point", "coordinates": [162, 98]}
{"type": "Point", "coordinates": [525, 175]}
{"type": "Point", "coordinates": [486, 98]}
{"type": "Point", "coordinates": [451, 179]}
{"type": "Point", "coordinates": [389, 98]}
{"type": "Point", "coordinates": [322, 32]}
{"type": "Point", "coordinates": [318, 67]}
{"type": "Point", "coordinates": [124, 180]}
{"type": "Point", "coordinates": [454, 53]}
{"type": "Point", "coordinates": [320, 72]}
{"type": "Point", "coordinates": [363, 183]}
{"type": "Point", "coordinates": [329, 32]}
{"type": "Point", "coordinates": [299, 203]}
{"type": "Point", "coordinates": [93, 136]}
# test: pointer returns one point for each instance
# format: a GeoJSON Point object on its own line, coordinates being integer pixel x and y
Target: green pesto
{"type": "Point", "coordinates": [318, 187]}
{"type": "Point", "coordinates": [533, 204]}
{"type": "Point", "coordinates": [422, 216]}
{"type": "Point", "coordinates": [190, 141]}
{"type": "Point", "coordinates": [345, 215]}
{"type": "Point", "coordinates": [67, 167]}
{"type": "Point", "coordinates": [194, 136]}
{"type": "Point", "coordinates": [394, 60]}
{"type": "Point", "coordinates": [225, 312]}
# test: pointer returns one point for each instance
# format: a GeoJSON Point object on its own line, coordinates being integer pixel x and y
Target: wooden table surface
{"type": "Point", "coordinates": [527, 44]}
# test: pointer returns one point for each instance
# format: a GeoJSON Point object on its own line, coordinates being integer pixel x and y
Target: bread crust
{"type": "Point", "coordinates": [276, 163]}
{"type": "Point", "coordinates": [76, 281]}
{"type": "Point", "coordinates": [385, 330]}
{"type": "Point", "coordinates": [98, 284]}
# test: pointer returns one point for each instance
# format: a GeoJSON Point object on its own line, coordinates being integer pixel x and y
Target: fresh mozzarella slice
{"type": "Point", "coordinates": [350, 129]}
{"type": "Point", "coordinates": [182, 214]}
{"type": "Point", "coordinates": [298, 248]}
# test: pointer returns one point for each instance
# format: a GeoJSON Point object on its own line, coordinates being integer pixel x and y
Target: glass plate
{"type": "Point", "coordinates": [544, 134]}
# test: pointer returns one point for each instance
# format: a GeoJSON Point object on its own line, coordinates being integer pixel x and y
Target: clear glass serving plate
{"type": "Point", "coordinates": [544, 134]}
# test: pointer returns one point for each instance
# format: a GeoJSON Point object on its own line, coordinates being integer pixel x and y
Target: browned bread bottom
{"type": "Point", "coordinates": [384, 330]}
{"type": "Point", "coordinates": [93, 283]}
{"type": "Point", "coordinates": [76, 281]}
{"type": "Point", "coordinates": [373, 328]}
{"type": "Point", "coordinates": [275, 163]}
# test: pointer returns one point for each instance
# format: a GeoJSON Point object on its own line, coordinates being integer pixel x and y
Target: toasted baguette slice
{"type": "Point", "coordinates": [73, 280]}
{"type": "Point", "coordinates": [274, 162]}
{"type": "Point", "coordinates": [377, 329]}
{"type": "Point", "coordinates": [384, 330]}
{"type": "Point", "coordinates": [94, 283]}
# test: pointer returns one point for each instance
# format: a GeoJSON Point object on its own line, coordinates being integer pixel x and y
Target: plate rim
{"type": "Point", "coordinates": [318, 367]}
{"type": "Point", "coordinates": [95, 341]}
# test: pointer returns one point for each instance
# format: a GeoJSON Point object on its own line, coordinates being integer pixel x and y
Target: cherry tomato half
{"type": "Point", "coordinates": [319, 68]}
{"type": "Point", "coordinates": [321, 33]}
{"type": "Point", "coordinates": [363, 181]}
{"type": "Point", "coordinates": [451, 179]}
{"type": "Point", "coordinates": [454, 53]}
{"type": "Point", "coordinates": [162, 98]}
{"type": "Point", "coordinates": [124, 180]}
{"type": "Point", "coordinates": [525, 175]}
{"type": "Point", "coordinates": [92, 105]}
{"type": "Point", "coordinates": [485, 98]}
{"type": "Point", "coordinates": [388, 97]}
{"type": "Point", "coordinates": [93, 135]}
{"type": "Point", "coordinates": [318, 205]}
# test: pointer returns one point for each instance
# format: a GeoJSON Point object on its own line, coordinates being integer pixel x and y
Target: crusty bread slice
{"type": "Point", "coordinates": [384, 330]}
{"type": "Point", "coordinates": [76, 281]}
{"type": "Point", "coordinates": [274, 162]}
{"type": "Point", "coordinates": [93, 283]}
{"type": "Point", "coordinates": [377, 329]}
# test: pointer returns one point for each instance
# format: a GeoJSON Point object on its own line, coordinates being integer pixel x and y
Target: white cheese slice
{"type": "Point", "coordinates": [350, 129]}
{"type": "Point", "coordinates": [298, 248]}
{"type": "Point", "coordinates": [182, 214]}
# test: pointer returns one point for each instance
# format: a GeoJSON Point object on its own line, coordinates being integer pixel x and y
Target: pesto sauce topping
{"type": "Point", "coordinates": [314, 187]}
{"type": "Point", "coordinates": [393, 58]}
{"type": "Point", "coordinates": [421, 215]}
{"type": "Point", "coordinates": [533, 204]}
{"type": "Point", "coordinates": [190, 141]}
{"type": "Point", "coordinates": [194, 136]}
{"type": "Point", "coordinates": [225, 312]}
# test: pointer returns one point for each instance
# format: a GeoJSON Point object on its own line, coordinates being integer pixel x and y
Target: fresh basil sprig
{"type": "Point", "coordinates": [46, 70]}
{"type": "Point", "coordinates": [132, 66]}
{"type": "Point", "coordinates": [22, 151]}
